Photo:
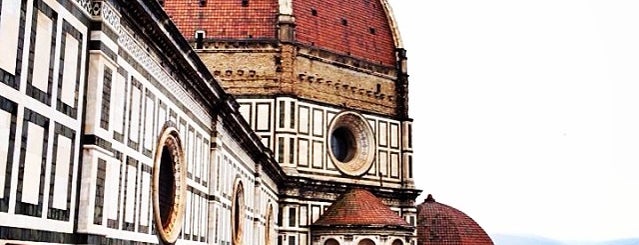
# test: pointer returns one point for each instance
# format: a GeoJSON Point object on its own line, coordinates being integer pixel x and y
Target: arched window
{"type": "Point", "coordinates": [269, 225]}
{"type": "Point", "coordinates": [398, 242]}
{"type": "Point", "coordinates": [366, 242]}
{"type": "Point", "coordinates": [238, 213]}
{"type": "Point", "coordinates": [331, 242]}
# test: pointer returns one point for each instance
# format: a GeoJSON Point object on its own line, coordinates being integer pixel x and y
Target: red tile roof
{"type": "Point", "coordinates": [440, 224]}
{"type": "Point", "coordinates": [224, 19]}
{"type": "Point", "coordinates": [356, 28]}
{"type": "Point", "coordinates": [359, 207]}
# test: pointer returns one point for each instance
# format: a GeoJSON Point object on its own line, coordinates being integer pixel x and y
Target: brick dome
{"type": "Point", "coordinates": [362, 29]}
{"type": "Point", "coordinates": [440, 224]}
{"type": "Point", "coordinates": [359, 207]}
{"type": "Point", "coordinates": [354, 27]}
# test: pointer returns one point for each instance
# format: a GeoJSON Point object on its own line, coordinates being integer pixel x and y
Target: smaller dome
{"type": "Point", "coordinates": [359, 207]}
{"type": "Point", "coordinates": [440, 224]}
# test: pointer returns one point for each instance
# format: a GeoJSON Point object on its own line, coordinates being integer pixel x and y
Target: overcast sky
{"type": "Point", "coordinates": [527, 112]}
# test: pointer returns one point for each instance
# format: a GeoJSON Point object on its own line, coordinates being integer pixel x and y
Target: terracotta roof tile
{"type": "Point", "coordinates": [224, 19]}
{"type": "Point", "coordinates": [359, 207]}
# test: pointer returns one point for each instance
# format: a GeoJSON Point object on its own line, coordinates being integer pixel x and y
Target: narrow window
{"type": "Point", "coordinates": [280, 150]}
{"type": "Point", "coordinates": [410, 167]}
{"type": "Point", "coordinates": [371, 30]}
{"type": "Point", "coordinates": [410, 135]}
{"type": "Point", "coordinates": [291, 150]}
{"type": "Point", "coordinates": [344, 22]}
{"type": "Point", "coordinates": [282, 113]}
{"type": "Point", "coordinates": [314, 12]}
{"type": "Point", "coordinates": [268, 226]}
{"type": "Point", "coordinates": [245, 3]}
{"type": "Point", "coordinates": [291, 240]}
{"type": "Point", "coordinates": [292, 116]}
{"type": "Point", "coordinates": [238, 214]}
{"type": "Point", "coordinates": [279, 217]}
{"type": "Point", "coordinates": [217, 220]}
{"type": "Point", "coordinates": [292, 216]}
{"type": "Point", "coordinates": [199, 39]}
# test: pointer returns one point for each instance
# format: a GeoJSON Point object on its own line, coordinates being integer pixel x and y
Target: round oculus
{"type": "Point", "coordinates": [351, 143]}
{"type": "Point", "coordinates": [169, 186]}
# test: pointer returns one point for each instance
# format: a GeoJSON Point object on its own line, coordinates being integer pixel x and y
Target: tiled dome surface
{"type": "Point", "coordinates": [440, 224]}
{"type": "Point", "coordinates": [359, 28]}
{"type": "Point", "coordinates": [359, 207]}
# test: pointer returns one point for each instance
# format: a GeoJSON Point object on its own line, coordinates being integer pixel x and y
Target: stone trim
{"type": "Point", "coordinates": [5, 76]}
{"type": "Point", "coordinates": [54, 213]}
{"type": "Point", "coordinates": [126, 225]}
{"type": "Point", "coordinates": [69, 110]}
{"type": "Point", "coordinates": [106, 98]}
{"type": "Point", "coordinates": [99, 192]}
{"type": "Point", "coordinates": [114, 224]}
{"type": "Point", "coordinates": [32, 91]}
{"type": "Point", "coordinates": [42, 121]}
{"type": "Point", "coordinates": [12, 108]}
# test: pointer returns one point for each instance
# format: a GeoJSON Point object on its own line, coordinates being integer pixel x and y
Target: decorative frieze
{"type": "Point", "coordinates": [104, 11]}
{"type": "Point", "coordinates": [86, 6]}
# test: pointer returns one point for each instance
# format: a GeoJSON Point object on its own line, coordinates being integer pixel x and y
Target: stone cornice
{"type": "Point", "coordinates": [303, 184]}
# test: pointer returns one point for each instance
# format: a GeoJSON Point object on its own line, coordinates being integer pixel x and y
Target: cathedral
{"type": "Point", "coordinates": [230, 122]}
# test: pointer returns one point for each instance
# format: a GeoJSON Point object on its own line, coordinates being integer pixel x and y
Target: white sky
{"type": "Point", "coordinates": [527, 112]}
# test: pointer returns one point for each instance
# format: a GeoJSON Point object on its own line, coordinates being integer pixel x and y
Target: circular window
{"type": "Point", "coordinates": [351, 143]}
{"type": "Point", "coordinates": [343, 144]}
{"type": "Point", "coordinates": [169, 187]}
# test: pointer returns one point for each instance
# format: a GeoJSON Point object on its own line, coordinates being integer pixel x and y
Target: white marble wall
{"type": "Point", "coordinates": [129, 99]}
{"type": "Point", "coordinates": [296, 133]}
{"type": "Point", "coordinates": [39, 140]}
